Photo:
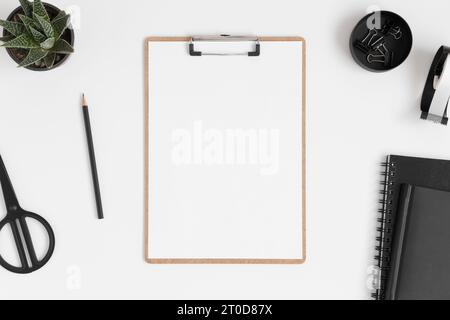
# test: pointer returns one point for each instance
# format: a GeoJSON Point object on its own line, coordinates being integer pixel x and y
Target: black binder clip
{"type": "Point", "coordinates": [436, 71]}
{"type": "Point", "coordinates": [371, 41]}
{"type": "Point", "coordinates": [390, 29]}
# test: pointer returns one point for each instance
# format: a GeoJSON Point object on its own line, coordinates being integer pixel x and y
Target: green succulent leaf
{"type": "Point", "coordinates": [62, 46]}
{"type": "Point", "coordinates": [24, 41]}
{"type": "Point", "coordinates": [35, 55]}
{"type": "Point", "coordinates": [6, 38]}
{"type": "Point", "coordinates": [60, 25]}
{"type": "Point", "coordinates": [39, 9]}
{"type": "Point", "coordinates": [27, 7]}
{"type": "Point", "coordinates": [48, 44]}
{"type": "Point", "coordinates": [49, 60]}
{"type": "Point", "coordinates": [37, 35]}
{"type": "Point", "coordinates": [60, 14]}
{"type": "Point", "coordinates": [27, 21]}
{"type": "Point", "coordinates": [46, 26]}
{"type": "Point", "coordinates": [15, 28]}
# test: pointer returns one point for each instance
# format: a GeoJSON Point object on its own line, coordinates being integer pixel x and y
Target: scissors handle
{"type": "Point", "coordinates": [29, 261]}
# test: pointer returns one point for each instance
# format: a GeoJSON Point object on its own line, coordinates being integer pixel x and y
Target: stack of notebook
{"type": "Point", "coordinates": [414, 234]}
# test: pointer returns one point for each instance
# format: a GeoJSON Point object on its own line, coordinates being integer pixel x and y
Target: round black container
{"type": "Point", "coordinates": [381, 41]}
{"type": "Point", "coordinates": [19, 54]}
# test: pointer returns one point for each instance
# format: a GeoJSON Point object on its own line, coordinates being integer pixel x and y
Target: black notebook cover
{"type": "Point", "coordinates": [414, 233]}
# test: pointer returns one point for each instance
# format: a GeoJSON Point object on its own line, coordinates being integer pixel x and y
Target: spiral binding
{"type": "Point", "coordinates": [384, 238]}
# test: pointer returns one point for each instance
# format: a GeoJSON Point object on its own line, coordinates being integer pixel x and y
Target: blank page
{"type": "Point", "coordinates": [225, 154]}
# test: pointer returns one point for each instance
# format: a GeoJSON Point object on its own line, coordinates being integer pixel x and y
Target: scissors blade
{"type": "Point", "coordinates": [8, 191]}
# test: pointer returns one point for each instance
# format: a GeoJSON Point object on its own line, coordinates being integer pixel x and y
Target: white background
{"type": "Point", "coordinates": [354, 119]}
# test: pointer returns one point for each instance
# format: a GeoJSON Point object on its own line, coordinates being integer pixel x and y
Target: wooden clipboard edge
{"type": "Point", "coordinates": [225, 261]}
{"type": "Point", "coordinates": [146, 174]}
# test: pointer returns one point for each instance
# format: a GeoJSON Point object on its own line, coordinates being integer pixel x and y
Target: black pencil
{"type": "Point", "coordinates": [90, 141]}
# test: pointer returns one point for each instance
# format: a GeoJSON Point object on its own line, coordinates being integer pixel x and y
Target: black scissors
{"type": "Point", "coordinates": [16, 218]}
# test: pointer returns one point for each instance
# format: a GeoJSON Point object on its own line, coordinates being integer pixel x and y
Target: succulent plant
{"type": "Point", "coordinates": [37, 33]}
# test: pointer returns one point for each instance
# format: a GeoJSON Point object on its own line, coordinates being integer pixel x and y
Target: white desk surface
{"type": "Point", "coordinates": [354, 119]}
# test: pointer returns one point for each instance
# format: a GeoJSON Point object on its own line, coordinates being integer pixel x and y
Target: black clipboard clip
{"type": "Point", "coordinates": [224, 38]}
{"type": "Point", "coordinates": [436, 70]}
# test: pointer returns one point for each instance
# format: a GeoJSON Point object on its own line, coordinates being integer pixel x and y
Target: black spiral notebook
{"type": "Point", "coordinates": [414, 232]}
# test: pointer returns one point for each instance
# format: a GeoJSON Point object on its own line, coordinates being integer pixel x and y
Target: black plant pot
{"type": "Point", "coordinates": [19, 54]}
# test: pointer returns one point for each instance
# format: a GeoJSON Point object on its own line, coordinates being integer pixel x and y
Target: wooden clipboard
{"type": "Point", "coordinates": [149, 42]}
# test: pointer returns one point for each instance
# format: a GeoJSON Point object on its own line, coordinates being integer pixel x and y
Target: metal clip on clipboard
{"type": "Point", "coordinates": [224, 38]}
